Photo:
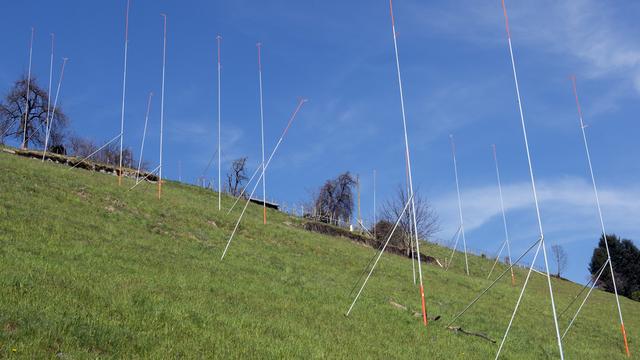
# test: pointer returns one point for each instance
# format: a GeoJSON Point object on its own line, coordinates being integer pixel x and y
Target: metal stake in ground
{"type": "Point", "coordinates": [597, 198]}
{"type": "Point", "coordinates": [535, 197]}
{"type": "Point", "coordinates": [455, 170]}
{"type": "Point", "coordinates": [264, 186]}
{"type": "Point", "coordinates": [164, 62]}
{"type": "Point", "coordinates": [293, 116]}
{"type": "Point", "coordinates": [408, 159]}
{"type": "Point", "coordinates": [124, 87]}
{"type": "Point", "coordinates": [26, 112]}
{"type": "Point", "coordinates": [53, 113]}
{"type": "Point", "coordinates": [504, 221]}
{"type": "Point", "coordinates": [48, 96]}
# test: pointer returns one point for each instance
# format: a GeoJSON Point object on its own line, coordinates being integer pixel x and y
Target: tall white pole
{"type": "Point", "coordinates": [455, 170]}
{"type": "Point", "coordinates": [504, 217]}
{"type": "Point", "coordinates": [53, 112]}
{"type": "Point", "coordinates": [164, 62]}
{"type": "Point", "coordinates": [408, 159]}
{"type": "Point", "coordinates": [411, 240]}
{"type": "Point", "coordinates": [124, 86]}
{"type": "Point", "coordinates": [535, 197]}
{"type": "Point", "coordinates": [264, 186]}
{"type": "Point", "coordinates": [144, 133]}
{"type": "Point", "coordinates": [26, 112]}
{"type": "Point", "coordinates": [597, 198]}
{"type": "Point", "coordinates": [46, 126]}
{"type": "Point", "coordinates": [219, 39]}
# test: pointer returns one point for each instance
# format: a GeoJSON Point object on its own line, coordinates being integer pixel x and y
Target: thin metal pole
{"type": "Point", "coordinates": [264, 186]}
{"type": "Point", "coordinates": [535, 197]}
{"type": "Point", "coordinates": [455, 170]}
{"type": "Point", "coordinates": [124, 86]}
{"type": "Point", "coordinates": [404, 209]}
{"type": "Point", "coordinates": [584, 301]}
{"type": "Point", "coordinates": [55, 105]}
{"type": "Point", "coordinates": [144, 133]}
{"type": "Point", "coordinates": [26, 112]}
{"type": "Point", "coordinates": [358, 186]}
{"type": "Point", "coordinates": [455, 246]}
{"type": "Point", "coordinates": [46, 125]}
{"type": "Point", "coordinates": [164, 62]}
{"type": "Point", "coordinates": [504, 244]}
{"type": "Point", "coordinates": [597, 198]}
{"type": "Point", "coordinates": [504, 217]}
{"type": "Point", "coordinates": [408, 159]}
{"type": "Point", "coordinates": [374, 204]}
{"type": "Point", "coordinates": [293, 116]}
{"type": "Point", "coordinates": [219, 40]}
{"type": "Point", "coordinates": [411, 248]}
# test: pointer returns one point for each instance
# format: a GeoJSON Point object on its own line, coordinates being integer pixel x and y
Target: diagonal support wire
{"type": "Point", "coordinates": [395, 226]}
{"type": "Point", "coordinates": [95, 152]}
{"type": "Point", "coordinates": [496, 281]}
{"type": "Point", "coordinates": [455, 245]}
{"type": "Point", "coordinates": [585, 287]}
{"type": "Point", "coordinates": [584, 301]}
{"type": "Point", "coordinates": [139, 181]}
{"type": "Point", "coordinates": [293, 116]}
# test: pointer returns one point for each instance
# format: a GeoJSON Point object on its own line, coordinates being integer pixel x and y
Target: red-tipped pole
{"type": "Point", "coordinates": [408, 160]}
{"type": "Point", "coordinates": [597, 198]}
{"type": "Point", "coordinates": [124, 87]}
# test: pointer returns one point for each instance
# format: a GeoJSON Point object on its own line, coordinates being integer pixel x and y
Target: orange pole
{"type": "Point", "coordinates": [159, 188]}
{"type": "Point", "coordinates": [626, 344]}
{"type": "Point", "coordinates": [424, 306]}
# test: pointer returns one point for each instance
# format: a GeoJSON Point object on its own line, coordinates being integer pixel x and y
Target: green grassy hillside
{"type": "Point", "coordinates": [89, 269]}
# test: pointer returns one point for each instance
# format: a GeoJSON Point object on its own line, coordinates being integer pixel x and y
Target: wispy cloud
{"type": "Point", "coordinates": [567, 205]}
{"type": "Point", "coordinates": [589, 32]}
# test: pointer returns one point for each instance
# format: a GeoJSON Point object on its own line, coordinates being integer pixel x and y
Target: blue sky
{"type": "Point", "coordinates": [339, 55]}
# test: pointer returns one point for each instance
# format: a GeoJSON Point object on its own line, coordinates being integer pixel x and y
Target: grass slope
{"type": "Point", "coordinates": [89, 269]}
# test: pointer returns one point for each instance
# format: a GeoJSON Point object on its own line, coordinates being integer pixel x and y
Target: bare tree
{"type": "Point", "coordinates": [426, 218]}
{"type": "Point", "coordinates": [237, 176]}
{"type": "Point", "coordinates": [13, 119]}
{"type": "Point", "coordinates": [334, 200]}
{"type": "Point", "coordinates": [560, 257]}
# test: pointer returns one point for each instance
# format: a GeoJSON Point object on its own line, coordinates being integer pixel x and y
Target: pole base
{"type": "Point", "coordinates": [424, 307]}
{"type": "Point", "coordinates": [624, 336]}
